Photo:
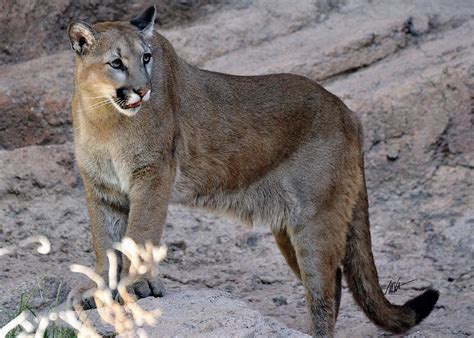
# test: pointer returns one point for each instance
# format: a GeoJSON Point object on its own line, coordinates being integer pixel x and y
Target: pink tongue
{"type": "Point", "coordinates": [133, 105]}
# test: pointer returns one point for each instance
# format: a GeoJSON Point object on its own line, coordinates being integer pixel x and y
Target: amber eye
{"type": "Point", "coordinates": [146, 58]}
{"type": "Point", "coordinates": [117, 64]}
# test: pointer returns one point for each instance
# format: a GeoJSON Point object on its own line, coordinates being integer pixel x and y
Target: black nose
{"type": "Point", "coordinates": [141, 91]}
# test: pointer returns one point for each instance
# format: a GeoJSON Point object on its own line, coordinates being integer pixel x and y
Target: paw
{"type": "Point", "coordinates": [78, 297]}
{"type": "Point", "coordinates": [88, 303]}
{"type": "Point", "coordinates": [141, 288]}
{"type": "Point", "coordinates": [145, 287]}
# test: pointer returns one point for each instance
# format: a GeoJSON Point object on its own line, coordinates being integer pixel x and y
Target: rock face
{"type": "Point", "coordinates": [407, 69]}
{"type": "Point", "coordinates": [35, 99]}
{"type": "Point", "coordinates": [38, 28]}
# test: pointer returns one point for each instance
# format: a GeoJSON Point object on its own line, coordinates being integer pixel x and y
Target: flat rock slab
{"type": "Point", "coordinates": [205, 313]}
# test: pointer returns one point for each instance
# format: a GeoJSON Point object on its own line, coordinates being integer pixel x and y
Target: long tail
{"type": "Point", "coordinates": [362, 279]}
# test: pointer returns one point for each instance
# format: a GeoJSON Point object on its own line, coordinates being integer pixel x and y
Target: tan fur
{"type": "Point", "coordinates": [274, 150]}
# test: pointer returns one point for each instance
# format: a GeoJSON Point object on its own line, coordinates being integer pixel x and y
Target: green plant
{"type": "Point", "coordinates": [53, 331]}
{"type": "Point", "coordinates": [23, 305]}
{"type": "Point", "coordinates": [127, 318]}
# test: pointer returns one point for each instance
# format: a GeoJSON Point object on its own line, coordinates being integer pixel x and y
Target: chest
{"type": "Point", "coordinates": [106, 168]}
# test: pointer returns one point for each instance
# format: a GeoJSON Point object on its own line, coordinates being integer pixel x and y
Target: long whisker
{"type": "Point", "coordinates": [96, 105]}
{"type": "Point", "coordinates": [120, 102]}
{"type": "Point", "coordinates": [102, 104]}
{"type": "Point", "coordinates": [99, 106]}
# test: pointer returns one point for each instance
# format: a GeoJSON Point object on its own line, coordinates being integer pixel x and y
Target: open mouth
{"type": "Point", "coordinates": [130, 104]}
{"type": "Point", "coordinates": [133, 105]}
{"type": "Point", "coordinates": [123, 103]}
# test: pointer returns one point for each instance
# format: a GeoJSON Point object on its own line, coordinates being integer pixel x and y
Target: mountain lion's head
{"type": "Point", "coordinates": [114, 62]}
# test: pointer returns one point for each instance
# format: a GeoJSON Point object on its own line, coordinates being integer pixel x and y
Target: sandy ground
{"type": "Point", "coordinates": [208, 252]}
{"type": "Point", "coordinates": [408, 72]}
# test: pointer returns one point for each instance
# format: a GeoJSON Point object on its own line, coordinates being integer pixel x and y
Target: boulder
{"type": "Point", "coordinates": [37, 28]}
{"type": "Point", "coordinates": [35, 100]}
{"type": "Point", "coordinates": [204, 313]}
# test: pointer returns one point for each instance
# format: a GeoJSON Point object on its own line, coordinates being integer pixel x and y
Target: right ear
{"type": "Point", "coordinates": [82, 37]}
{"type": "Point", "coordinates": [145, 21]}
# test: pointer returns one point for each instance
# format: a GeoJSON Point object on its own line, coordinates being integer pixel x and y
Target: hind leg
{"type": "Point", "coordinates": [319, 247]}
{"type": "Point", "coordinates": [284, 244]}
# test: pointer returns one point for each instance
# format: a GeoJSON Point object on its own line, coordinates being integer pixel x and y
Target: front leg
{"type": "Point", "coordinates": [108, 217]}
{"type": "Point", "coordinates": [149, 197]}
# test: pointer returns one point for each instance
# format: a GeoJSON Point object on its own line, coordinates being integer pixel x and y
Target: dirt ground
{"type": "Point", "coordinates": [407, 69]}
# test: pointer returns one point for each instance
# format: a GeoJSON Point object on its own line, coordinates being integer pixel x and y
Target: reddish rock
{"type": "Point", "coordinates": [35, 101]}
{"type": "Point", "coordinates": [37, 28]}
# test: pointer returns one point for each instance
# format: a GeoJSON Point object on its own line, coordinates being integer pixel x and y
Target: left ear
{"type": "Point", "coordinates": [145, 21]}
{"type": "Point", "coordinates": [82, 37]}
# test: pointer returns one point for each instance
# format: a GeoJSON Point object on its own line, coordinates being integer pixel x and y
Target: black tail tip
{"type": "Point", "coordinates": [423, 304]}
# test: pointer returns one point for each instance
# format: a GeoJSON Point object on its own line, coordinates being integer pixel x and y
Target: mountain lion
{"type": "Point", "coordinates": [276, 150]}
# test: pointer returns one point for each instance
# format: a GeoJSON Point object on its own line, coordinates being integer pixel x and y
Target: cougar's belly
{"type": "Point", "coordinates": [262, 203]}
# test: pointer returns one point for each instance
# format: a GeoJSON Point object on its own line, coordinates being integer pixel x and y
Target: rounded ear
{"type": "Point", "coordinates": [82, 36]}
{"type": "Point", "coordinates": [145, 21]}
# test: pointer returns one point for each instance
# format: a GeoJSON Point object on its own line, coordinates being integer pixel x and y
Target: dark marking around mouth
{"type": "Point", "coordinates": [122, 93]}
